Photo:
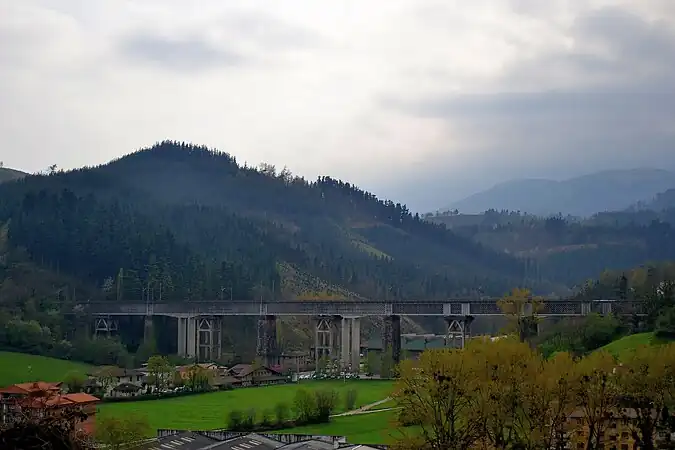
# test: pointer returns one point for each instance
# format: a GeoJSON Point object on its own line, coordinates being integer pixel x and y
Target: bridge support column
{"type": "Point", "coordinates": [325, 337]}
{"type": "Point", "coordinates": [392, 337]}
{"type": "Point", "coordinates": [105, 326]}
{"type": "Point", "coordinates": [181, 347]}
{"type": "Point", "coordinates": [459, 330]}
{"type": "Point", "coordinates": [209, 338]}
{"type": "Point", "coordinates": [148, 329]}
{"type": "Point", "coordinates": [268, 348]}
{"type": "Point", "coordinates": [606, 308]}
{"type": "Point", "coordinates": [586, 308]}
{"type": "Point", "coordinates": [350, 343]}
{"type": "Point", "coordinates": [191, 337]}
{"type": "Point", "coordinates": [345, 328]}
{"type": "Point", "coordinates": [356, 344]}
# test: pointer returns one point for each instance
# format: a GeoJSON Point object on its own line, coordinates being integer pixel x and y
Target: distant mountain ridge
{"type": "Point", "coordinates": [611, 190]}
{"type": "Point", "coordinates": [660, 202]}
{"type": "Point", "coordinates": [7, 174]}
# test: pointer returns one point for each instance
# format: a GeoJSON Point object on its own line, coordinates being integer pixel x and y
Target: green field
{"type": "Point", "coordinates": [629, 343]}
{"type": "Point", "coordinates": [22, 368]}
{"type": "Point", "coordinates": [210, 411]}
{"type": "Point", "coordinates": [372, 428]}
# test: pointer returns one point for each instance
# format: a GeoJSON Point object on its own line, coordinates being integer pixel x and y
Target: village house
{"type": "Point", "coordinates": [243, 375]}
{"type": "Point", "coordinates": [111, 381]}
{"type": "Point", "coordinates": [41, 397]}
{"type": "Point", "coordinates": [616, 434]}
{"type": "Point", "coordinates": [215, 369]}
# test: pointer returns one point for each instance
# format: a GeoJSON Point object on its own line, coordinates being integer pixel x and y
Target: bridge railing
{"type": "Point", "coordinates": [362, 308]}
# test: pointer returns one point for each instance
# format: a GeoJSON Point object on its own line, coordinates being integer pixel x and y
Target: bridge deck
{"type": "Point", "coordinates": [478, 307]}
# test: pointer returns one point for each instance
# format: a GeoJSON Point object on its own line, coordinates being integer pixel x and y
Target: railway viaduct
{"type": "Point", "coordinates": [337, 324]}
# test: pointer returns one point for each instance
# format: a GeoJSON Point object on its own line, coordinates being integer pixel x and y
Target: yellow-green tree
{"type": "Point", "coordinates": [547, 402]}
{"type": "Point", "coordinates": [525, 400]}
{"type": "Point", "coordinates": [647, 378]}
{"type": "Point", "coordinates": [521, 309]}
{"type": "Point", "coordinates": [198, 378]}
{"type": "Point", "coordinates": [499, 368]}
{"type": "Point", "coordinates": [597, 395]}
{"type": "Point", "coordinates": [121, 432]}
{"type": "Point", "coordinates": [159, 370]}
{"type": "Point", "coordinates": [439, 395]}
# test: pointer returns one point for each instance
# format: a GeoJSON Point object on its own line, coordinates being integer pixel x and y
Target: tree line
{"type": "Point", "coordinates": [503, 394]}
{"type": "Point", "coordinates": [308, 408]}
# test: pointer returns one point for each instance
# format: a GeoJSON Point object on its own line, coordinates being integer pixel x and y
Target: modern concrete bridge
{"type": "Point", "coordinates": [336, 323]}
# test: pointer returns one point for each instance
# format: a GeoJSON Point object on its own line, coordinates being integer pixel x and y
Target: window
{"type": "Point", "coordinates": [581, 445]}
{"type": "Point", "coordinates": [624, 446]}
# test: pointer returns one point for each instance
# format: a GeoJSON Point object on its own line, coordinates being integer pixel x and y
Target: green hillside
{"type": "Point", "coordinates": [629, 343]}
{"type": "Point", "coordinates": [23, 368]}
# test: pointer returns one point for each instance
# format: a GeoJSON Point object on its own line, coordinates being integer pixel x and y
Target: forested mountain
{"type": "Point", "coordinates": [568, 249]}
{"type": "Point", "coordinates": [580, 196]}
{"type": "Point", "coordinates": [192, 222]}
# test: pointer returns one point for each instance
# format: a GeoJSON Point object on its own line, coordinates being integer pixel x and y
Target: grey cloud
{"type": "Point", "coordinates": [619, 115]}
{"type": "Point", "coordinates": [187, 54]}
{"type": "Point", "coordinates": [635, 55]}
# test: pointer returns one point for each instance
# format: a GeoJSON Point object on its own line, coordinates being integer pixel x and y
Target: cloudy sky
{"type": "Point", "coordinates": [420, 101]}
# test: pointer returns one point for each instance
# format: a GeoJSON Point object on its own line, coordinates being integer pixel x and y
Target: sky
{"type": "Point", "coordinates": [424, 102]}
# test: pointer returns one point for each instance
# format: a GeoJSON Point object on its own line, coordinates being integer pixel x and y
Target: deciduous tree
{"type": "Point", "coordinates": [439, 394]}
{"type": "Point", "coordinates": [521, 309]}
{"type": "Point", "coordinates": [120, 432]}
{"type": "Point", "coordinates": [597, 395]}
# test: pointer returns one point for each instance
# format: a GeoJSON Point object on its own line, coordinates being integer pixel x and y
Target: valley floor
{"type": "Point", "coordinates": [211, 410]}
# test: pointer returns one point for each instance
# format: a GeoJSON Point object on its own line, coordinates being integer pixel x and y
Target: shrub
{"type": "Point", "coordinates": [281, 412]}
{"type": "Point", "coordinates": [249, 419]}
{"type": "Point", "coordinates": [235, 420]}
{"type": "Point", "coordinates": [266, 418]}
{"type": "Point", "coordinates": [350, 399]}
{"type": "Point", "coordinates": [325, 404]}
{"type": "Point", "coordinates": [305, 406]}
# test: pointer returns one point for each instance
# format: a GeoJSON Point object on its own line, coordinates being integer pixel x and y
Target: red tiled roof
{"type": "Point", "coordinates": [30, 388]}
{"type": "Point", "coordinates": [80, 397]}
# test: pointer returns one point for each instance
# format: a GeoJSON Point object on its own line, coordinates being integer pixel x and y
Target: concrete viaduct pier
{"type": "Point", "coordinates": [337, 324]}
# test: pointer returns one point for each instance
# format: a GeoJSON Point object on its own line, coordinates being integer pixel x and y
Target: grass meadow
{"type": "Point", "coordinates": [211, 410]}
{"type": "Point", "coordinates": [23, 368]}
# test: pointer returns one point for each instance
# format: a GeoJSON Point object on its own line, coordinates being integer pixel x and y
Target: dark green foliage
{"type": "Point", "coordinates": [266, 418]}
{"type": "Point", "coordinates": [580, 336]}
{"type": "Point", "coordinates": [570, 250]}
{"type": "Point", "coordinates": [326, 401]}
{"type": "Point", "coordinates": [75, 381]}
{"type": "Point", "coordinates": [665, 324]}
{"type": "Point", "coordinates": [305, 406]}
{"type": "Point", "coordinates": [235, 419]}
{"type": "Point", "coordinates": [249, 419]}
{"type": "Point", "coordinates": [281, 412]}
